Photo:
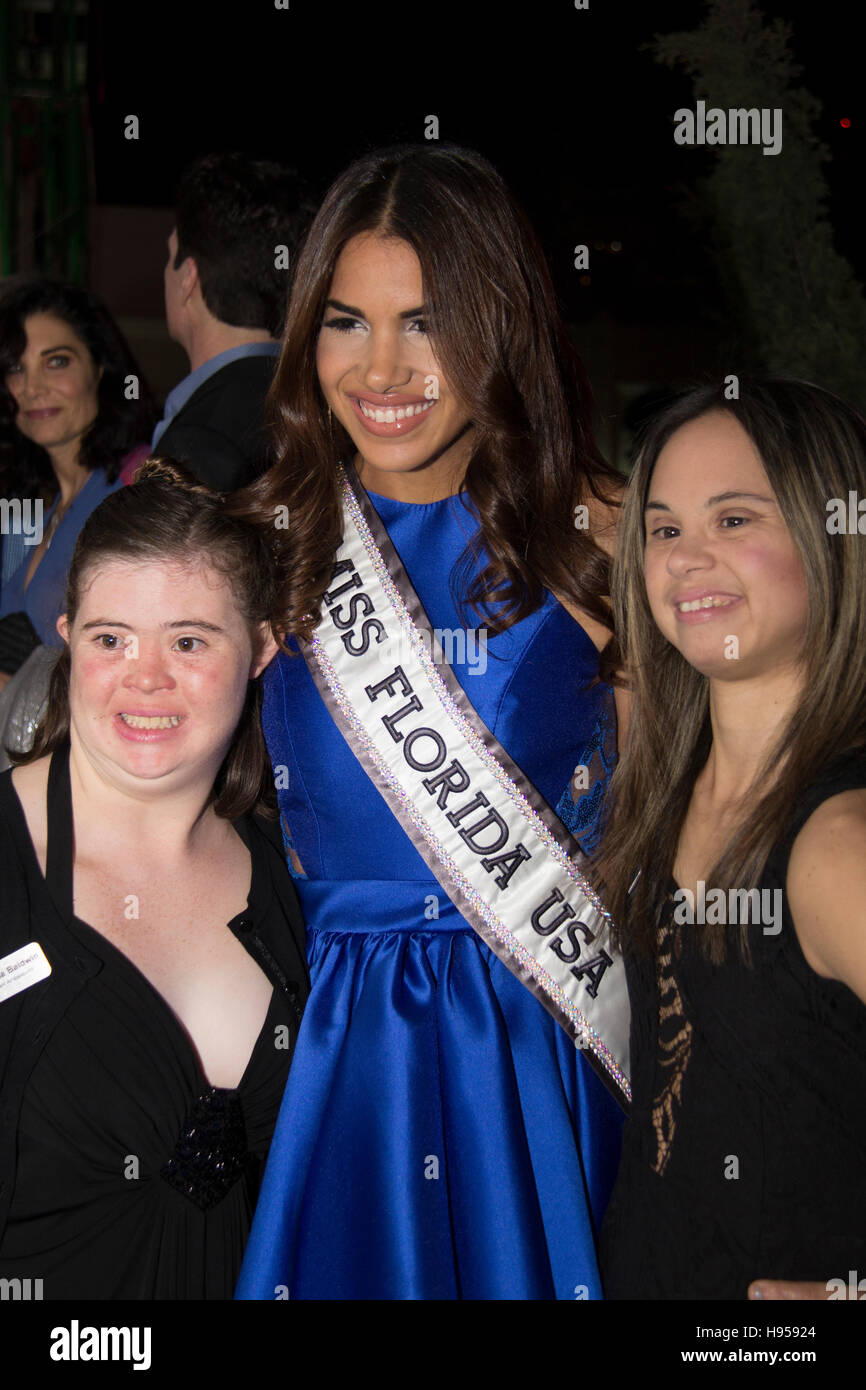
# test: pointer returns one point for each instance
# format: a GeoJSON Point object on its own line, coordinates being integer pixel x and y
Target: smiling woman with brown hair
{"type": "Point", "coordinates": [743, 623]}
{"type": "Point", "coordinates": [151, 944]}
{"type": "Point", "coordinates": [439, 513]}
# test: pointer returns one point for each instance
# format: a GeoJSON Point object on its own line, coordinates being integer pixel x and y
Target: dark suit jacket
{"type": "Point", "coordinates": [220, 431]}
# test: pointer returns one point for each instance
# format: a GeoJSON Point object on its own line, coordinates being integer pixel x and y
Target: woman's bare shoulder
{"type": "Point", "coordinates": [28, 778]}
{"type": "Point", "coordinates": [827, 886]}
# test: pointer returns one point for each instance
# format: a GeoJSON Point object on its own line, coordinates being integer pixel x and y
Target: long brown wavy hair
{"type": "Point", "coordinates": [813, 448]}
{"type": "Point", "coordinates": [167, 515]}
{"type": "Point", "coordinates": [494, 321]}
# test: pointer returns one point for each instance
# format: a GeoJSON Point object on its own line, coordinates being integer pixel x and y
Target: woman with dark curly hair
{"type": "Point", "coordinates": [73, 405]}
{"type": "Point", "coordinates": [441, 1136]}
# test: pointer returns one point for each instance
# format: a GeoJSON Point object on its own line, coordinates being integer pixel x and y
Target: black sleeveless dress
{"type": "Point", "coordinates": [125, 1174]}
{"type": "Point", "coordinates": [745, 1152]}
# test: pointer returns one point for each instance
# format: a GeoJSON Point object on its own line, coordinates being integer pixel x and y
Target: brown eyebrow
{"type": "Point", "coordinates": [61, 347]}
{"type": "Point", "coordinates": [359, 314]}
{"type": "Point", "coordinates": [167, 627]}
{"type": "Point", "coordinates": [713, 501]}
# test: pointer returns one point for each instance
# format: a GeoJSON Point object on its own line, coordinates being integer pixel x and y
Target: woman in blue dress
{"type": "Point", "coordinates": [441, 1137]}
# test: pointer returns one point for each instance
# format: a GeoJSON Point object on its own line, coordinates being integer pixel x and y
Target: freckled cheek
{"type": "Point", "coordinates": [217, 689]}
{"type": "Point", "coordinates": [93, 682]}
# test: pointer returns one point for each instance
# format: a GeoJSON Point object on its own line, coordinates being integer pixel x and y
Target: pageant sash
{"type": "Point", "coordinates": [493, 843]}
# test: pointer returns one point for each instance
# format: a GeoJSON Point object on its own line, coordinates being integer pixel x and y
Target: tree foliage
{"type": "Point", "coordinates": [796, 305]}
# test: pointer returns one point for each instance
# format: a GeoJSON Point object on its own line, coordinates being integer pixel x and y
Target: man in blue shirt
{"type": "Point", "coordinates": [226, 284]}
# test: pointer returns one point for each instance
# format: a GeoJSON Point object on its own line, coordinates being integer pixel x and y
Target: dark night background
{"type": "Point", "coordinates": [568, 104]}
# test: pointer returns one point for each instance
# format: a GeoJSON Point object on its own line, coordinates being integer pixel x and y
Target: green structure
{"type": "Point", "coordinates": [795, 305]}
{"type": "Point", "coordinates": [45, 163]}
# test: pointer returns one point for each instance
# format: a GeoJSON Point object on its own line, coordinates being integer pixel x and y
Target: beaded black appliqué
{"type": "Point", "coordinates": [211, 1152]}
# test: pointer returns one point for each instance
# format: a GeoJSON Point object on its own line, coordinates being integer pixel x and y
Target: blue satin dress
{"type": "Point", "coordinates": [440, 1136]}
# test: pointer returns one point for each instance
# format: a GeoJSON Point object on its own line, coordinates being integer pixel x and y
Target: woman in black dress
{"type": "Point", "coordinates": [151, 947]}
{"type": "Point", "coordinates": [741, 604]}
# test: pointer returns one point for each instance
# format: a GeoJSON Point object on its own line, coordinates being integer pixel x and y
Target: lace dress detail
{"type": "Point", "coordinates": [674, 1047]}
{"type": "Point", "coordinates": [581, 806]}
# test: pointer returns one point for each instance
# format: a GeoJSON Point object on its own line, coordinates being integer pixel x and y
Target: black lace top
{"type": "Point", "coordinates": [745, 1152]}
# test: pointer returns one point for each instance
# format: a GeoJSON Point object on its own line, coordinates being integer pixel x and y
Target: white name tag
{"type": "Point", "coordinates": [22, 968]}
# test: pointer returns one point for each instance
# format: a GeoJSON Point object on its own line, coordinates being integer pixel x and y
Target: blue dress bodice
{"type": "Point", "coordinates": [418, 1046]}
{"type": "Point", "coordinates": [534, 693]}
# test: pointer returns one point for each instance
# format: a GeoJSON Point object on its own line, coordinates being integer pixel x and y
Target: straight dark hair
{"type": "Point", "coordinates": [813, 449]}
{"type": "Point", "coordinates": [166, 515]}
{"type": "Point", "coordinates": [497, 332]}
{"type": "Point", "coordinates": [232, 212]}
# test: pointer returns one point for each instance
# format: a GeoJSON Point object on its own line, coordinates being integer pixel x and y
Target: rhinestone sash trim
{"type": "Point", "coordinates": [582, 1031]}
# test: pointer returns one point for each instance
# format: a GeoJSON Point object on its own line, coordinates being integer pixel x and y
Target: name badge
{"type": "Point", "coordinates": [22, 968]}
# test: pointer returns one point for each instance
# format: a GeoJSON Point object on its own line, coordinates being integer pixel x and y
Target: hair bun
{"type": "Point", "coordinates": [175, 474]}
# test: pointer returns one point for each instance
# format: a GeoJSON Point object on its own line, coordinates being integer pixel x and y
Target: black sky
{"type": "Point", "coordinates": [569, 106]}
